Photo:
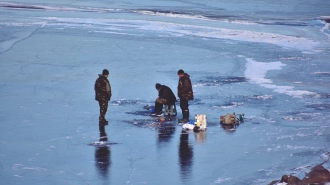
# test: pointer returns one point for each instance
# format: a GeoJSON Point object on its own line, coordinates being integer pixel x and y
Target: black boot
{"type": "Point", "coordinates": [180, 120]}
{"type": "Point", "coordinates": [185, 115]}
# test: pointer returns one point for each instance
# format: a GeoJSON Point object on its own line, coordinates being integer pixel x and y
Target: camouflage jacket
{"type": "Point", "coordinates": [167, 94]}
{"type": "Point", "coordinates": [185, 88]}
{"type": "Point", "coordinates": [102, 89]}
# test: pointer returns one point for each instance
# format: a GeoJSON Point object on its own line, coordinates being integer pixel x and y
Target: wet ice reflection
{"type": "Point", "coordinates": [186, 156]}
{"type": "Point", "coordinates": [102, 154]}
{"type": "Point", "coordinates": [165, 132]}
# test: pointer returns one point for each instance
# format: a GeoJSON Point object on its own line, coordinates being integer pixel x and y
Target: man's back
{"type": "Point", "coordinates": [166, 93]}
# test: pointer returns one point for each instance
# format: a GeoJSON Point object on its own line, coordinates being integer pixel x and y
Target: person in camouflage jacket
{"type": "Point", "coordinates": [185, 93]}
{"type": "Point", "coordinates": [103, 94]}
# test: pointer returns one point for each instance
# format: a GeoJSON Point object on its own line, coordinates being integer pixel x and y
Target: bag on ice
{"type": "Point", "coordinates": [200, 121]}
{"type": "Point", "coordinates": [229, 119]}
{"type": "Point", "coordinates": [199, 124]}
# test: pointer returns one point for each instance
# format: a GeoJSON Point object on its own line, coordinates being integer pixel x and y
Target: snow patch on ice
{"type": "Point", "coordinates": [50, 148]}
{"type": "Point", "coordinates": [34, 168]}
{"type": "Point", "coordinates": [325, 156]}
{"type": "Point", "coordinates": [270, 171]}
{"type": "Point", "coordinates": [256, 71]}
{"type": "Point", "coordinates": [291, 118]}
{"type": "Point", "coordinates": [189, 16]}
{"type": "Point", "coordinates": [23, 167]}
{"type": "Point", "coordinates": [220, 180]}
{"type": "Point", "coordinates": [270, 120]}
{"type": "Point", "coordinates": [16, 166]}
{"type": "Point", "coordinates": [302, 117]}
{"type": "Point", "coordinates": [170, 14]}
{"type": "Point", "coordinates": [284, 137]}
{"type": "Point", "coordinates": [263, 97]}
{"type": "Point", "coordinates": [290, 147]}
{"type": "Point", "coordinates": [175, 29]}
{"type": "Point", "coordinates": [326, 28]}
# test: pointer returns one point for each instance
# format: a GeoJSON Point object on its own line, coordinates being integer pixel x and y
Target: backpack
{"type": "Point", "coordinates": [229, 119]}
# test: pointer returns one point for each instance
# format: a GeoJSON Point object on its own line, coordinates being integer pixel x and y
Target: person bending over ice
{"type": "Point", "coordinates": [165, 97]}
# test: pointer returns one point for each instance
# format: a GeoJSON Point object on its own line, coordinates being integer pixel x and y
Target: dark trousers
{"type": "Point", "coordinates": [103, 110]}
{"type": "Point", "coordinates": [184, 104]}
{"type": "Point", "coordinates": [184, 109]}
{"type": "Point", "coordinates": [159, 104]}
{"type": "Point", "coordinates": [158, 107]}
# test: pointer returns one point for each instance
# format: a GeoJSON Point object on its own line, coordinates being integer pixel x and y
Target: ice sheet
{"type": "Point", "coordinates": [268, 60]}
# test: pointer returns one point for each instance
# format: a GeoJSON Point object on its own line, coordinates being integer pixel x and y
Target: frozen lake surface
{"type": "Point", "coordinates": [268, 60]}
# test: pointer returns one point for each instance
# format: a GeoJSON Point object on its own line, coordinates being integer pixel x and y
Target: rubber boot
{"type": "Point", "coordinates": [185, 115]}
{"type": "Point", "coordinates": [180, 120]}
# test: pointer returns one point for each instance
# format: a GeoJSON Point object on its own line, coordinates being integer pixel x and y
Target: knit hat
{"type": "Point", "coordinates": [180, 71]}
{"type": "Point", "coordinates": [158, 86]}
{"type": "Point", "coordinates": [105, 72]}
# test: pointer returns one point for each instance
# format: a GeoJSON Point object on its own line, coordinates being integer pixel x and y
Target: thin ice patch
{"type": "Point", "coordinates": [301, 170]}
{"type": "Point", "coordinates": [196, 101]}
{"type": "Point", "coordinates": [102, 143]}
{"type": "Point", "coordinates": [303, 116]}
{"type": "Point", "coordinates": [228, 105]}
{"type": "Point", "coordinates": [144, 123]}
{"type": "Point", "coordinates": [140, 113]}
{"type": "Point", "coordinates": [128, 102]}
{"type": "Point", "coordinates": [319, 106]}
{"type": "Point", "coordinates": [322, 74]}
{"type": "Point", "coordinates": [324, 95]}
{"type": "Point", "coordinates": [310, 153]}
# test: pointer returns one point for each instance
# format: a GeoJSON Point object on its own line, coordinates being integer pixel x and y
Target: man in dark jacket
{"type": "Point", "coordinates": [185, 94]}
{"type": "Point", "coordinates": [165, 96]}
{"type": "Point", "coordinates": [103, 94]}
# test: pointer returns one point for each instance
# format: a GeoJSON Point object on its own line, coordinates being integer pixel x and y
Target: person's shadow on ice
{"type": "Point", "coordinates": [102, 154]}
